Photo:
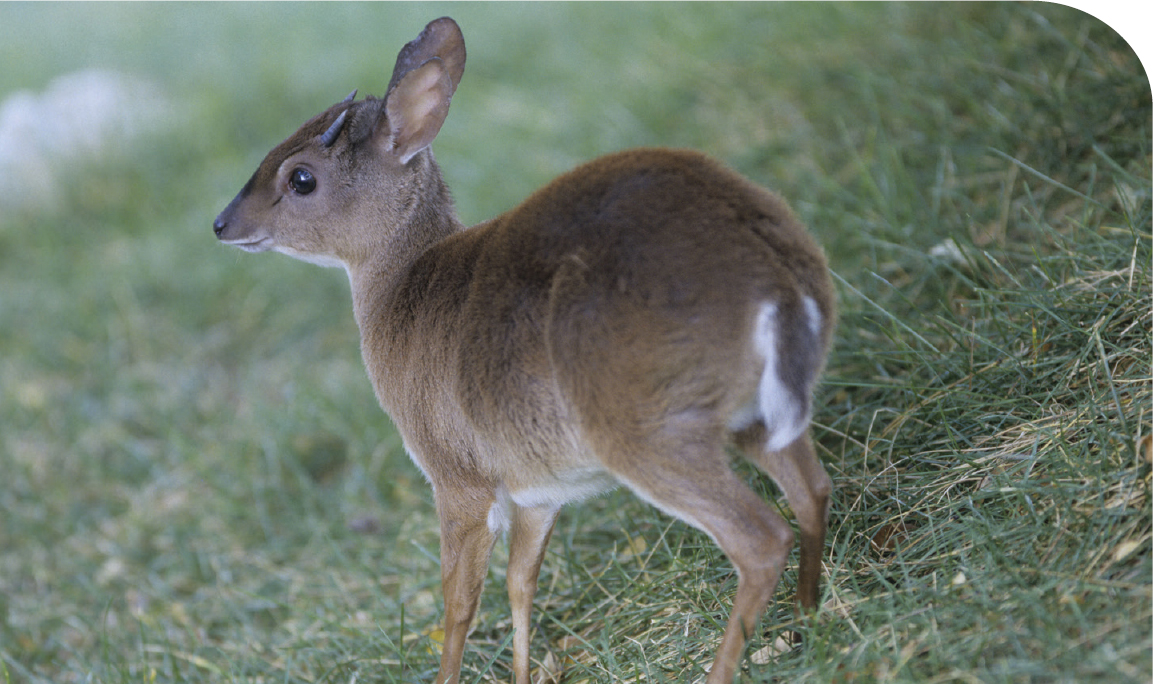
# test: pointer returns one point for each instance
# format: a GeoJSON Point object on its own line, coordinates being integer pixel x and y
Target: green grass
{"type": "Point", "coordinates": [196, 484]}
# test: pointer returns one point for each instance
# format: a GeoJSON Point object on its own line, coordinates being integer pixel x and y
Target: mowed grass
{"type": "Point", "coordinates": [196, 484]}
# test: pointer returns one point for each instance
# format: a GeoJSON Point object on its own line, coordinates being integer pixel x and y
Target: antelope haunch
{"type": "Point", "coordinates": [619, 327]}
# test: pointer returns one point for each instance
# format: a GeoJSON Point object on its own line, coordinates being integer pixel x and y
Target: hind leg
{"type": "Point", "coordinates": [696, 485]}
{"type": "Point", "coordinates": [806, 486]}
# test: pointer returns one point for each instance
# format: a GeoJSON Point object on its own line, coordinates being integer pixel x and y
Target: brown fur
{"type": "Point", "coordinates": [605, 331]}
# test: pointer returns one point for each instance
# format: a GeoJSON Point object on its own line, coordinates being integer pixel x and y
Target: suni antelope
{"type": "Point", "coordinates": [620, 327]}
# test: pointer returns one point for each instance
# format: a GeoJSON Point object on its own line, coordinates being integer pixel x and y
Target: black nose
{"type": "Point", "coordinates": [219, 225]}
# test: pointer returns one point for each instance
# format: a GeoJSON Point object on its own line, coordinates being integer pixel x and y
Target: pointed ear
{"type": "Point", "coordinates": [440, 39]}
{"type": "Point", "coordinates": [416, 108]}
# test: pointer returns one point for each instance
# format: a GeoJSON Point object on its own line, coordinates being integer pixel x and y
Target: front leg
{"type": "Point", "coordinates": [465, 546]}
{"type": "Point", "coordinates": [531, 529]}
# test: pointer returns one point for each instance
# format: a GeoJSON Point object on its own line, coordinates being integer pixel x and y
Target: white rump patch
{"type": "Point", "coordinates": [785, 415]}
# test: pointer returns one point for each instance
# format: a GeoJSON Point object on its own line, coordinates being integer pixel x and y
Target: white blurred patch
{"type": "Point", "coordinates": [81, 119]}
{"type": "Point", "coordinates": [949, 251]}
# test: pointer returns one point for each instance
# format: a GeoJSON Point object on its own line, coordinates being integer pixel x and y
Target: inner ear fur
{"type": "Point", "coordinates": [416, 108]}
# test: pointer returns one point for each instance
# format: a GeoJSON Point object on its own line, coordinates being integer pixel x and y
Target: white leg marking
{"type": "Point", "coordinates": [500, 514]}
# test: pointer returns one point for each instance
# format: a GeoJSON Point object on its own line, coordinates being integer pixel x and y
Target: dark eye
{"type": "Point", "coordinates": [301, 181]}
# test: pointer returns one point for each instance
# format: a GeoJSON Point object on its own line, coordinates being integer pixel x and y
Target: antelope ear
{"type": "Point", "coordinates": [416, 108]}
{"type": "Point", "coordinates": [441, 39]}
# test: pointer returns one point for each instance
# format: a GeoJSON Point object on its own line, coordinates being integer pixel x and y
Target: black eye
{"type": "Point", "coordinates": [301, 181]}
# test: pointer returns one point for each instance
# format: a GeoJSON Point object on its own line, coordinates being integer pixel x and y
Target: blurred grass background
{"type": "Point", "coordinates": [196, 483]}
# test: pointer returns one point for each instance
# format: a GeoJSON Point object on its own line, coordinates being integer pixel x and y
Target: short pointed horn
{"type": "Point", "coordinates": [329, 136]}
{"type": "Point", "coordinates": [350, 98]}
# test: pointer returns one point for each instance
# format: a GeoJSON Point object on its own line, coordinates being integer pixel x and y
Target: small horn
{"type": "Point", "coordinates": [350, 98]}
{"type": "Point", "coordinates": [329, 136]}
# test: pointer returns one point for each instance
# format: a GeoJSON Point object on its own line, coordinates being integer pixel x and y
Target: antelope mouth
{"type": "Point", "coordinates": [260, 245]}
